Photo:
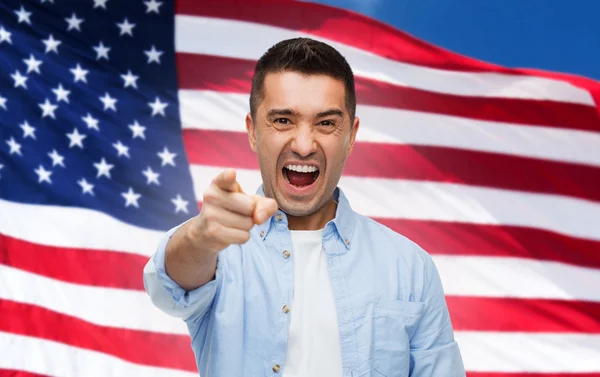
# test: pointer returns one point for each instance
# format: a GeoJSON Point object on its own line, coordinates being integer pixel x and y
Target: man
{"type": "Point", "coordinates": [291, 281]}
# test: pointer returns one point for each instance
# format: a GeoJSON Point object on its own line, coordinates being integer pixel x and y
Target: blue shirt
{"type": "Point", "coordinates": [392, 315]}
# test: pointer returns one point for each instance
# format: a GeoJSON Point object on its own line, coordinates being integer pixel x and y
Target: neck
{"type": "Point", "coordinates": [316, 220]}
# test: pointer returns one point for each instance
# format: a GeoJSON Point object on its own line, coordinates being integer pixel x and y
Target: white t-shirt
{"type": "Point", "coordinates": [313, 347]}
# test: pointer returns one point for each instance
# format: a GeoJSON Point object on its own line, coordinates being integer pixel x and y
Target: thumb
{"type": "Point", "coordinates": [263, 209]}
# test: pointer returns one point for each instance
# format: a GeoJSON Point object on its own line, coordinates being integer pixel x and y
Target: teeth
{"type": "Point", "coordinates": [302, 168]}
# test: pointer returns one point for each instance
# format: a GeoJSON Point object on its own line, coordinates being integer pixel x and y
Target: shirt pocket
{"type": "Point", "coordinates": [393, 324]}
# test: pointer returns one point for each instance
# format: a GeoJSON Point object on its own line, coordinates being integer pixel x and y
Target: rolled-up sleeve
{"type": "Point", "coordinates": [169, 296]}
{"type": "Point", "coordinates": [434, 351]}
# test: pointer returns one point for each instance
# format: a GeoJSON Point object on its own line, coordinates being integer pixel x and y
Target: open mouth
{"type": "Point", "coordinates": [300, 175]}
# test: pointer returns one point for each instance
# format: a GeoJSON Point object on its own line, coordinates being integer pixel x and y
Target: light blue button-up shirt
{"type": "Point", "coordinates": [392, 315]}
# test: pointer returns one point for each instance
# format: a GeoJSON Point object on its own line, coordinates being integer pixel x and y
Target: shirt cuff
{"type": "Point", "coordinates": [169, 296]}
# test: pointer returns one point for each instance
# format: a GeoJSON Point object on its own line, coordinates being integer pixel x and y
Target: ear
{"type": "Point", "coordinates": [251, 129]}
{"type": "Point", "coordinates": [353, 132]}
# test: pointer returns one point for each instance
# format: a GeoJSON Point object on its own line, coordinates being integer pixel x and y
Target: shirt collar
{"type": "Point", "coordinates": [341, 227]}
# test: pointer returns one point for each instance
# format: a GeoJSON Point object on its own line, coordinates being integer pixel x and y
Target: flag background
{"type": "Point", "coordinates": [494, 171]}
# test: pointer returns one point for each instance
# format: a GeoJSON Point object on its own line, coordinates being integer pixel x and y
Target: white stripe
{"type": "Point", "coordinates": [246, 40]}
{"type": "Point", "coordinates": [74, 228]}
{"type": "Point", "coordinates": [529, 352]}
{"type": "Point", "coordinates": [50, 358]}
{"type": "Point", "coordinates": [391, 198]}
{"type": "Point", "coordinates": [102, 306]}
{"type": "Point", "coordinates": [210, 110]}
{"type": "Point", "coordinates": [517, 278]}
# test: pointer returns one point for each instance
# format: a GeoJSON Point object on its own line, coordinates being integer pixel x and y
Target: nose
{"type": "Point", "coordinates": [304, 143]}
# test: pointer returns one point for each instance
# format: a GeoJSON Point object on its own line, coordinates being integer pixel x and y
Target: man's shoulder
{"type": "Point", "coordinates": [388, 239]}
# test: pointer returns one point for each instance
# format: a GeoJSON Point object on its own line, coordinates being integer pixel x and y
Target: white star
{"type": "Point", "coordinates": [153, 6]}
{"type": "Point", "coordinates": [5, 35]}
{"type": "Point", "coordinates": [151, 176]}
{"type": "Point", "coordinates": [50, 1]}
{"type": "Point", "coordinates": [61, 94]}
{"type": "Point", "coordinates": [48, 109]}
{"type": "Point", "coordinates": [76, 139]}
{"type": "Point", "coordinates": [130, 79]}
{"type": "Point", "coordinates": [103, 168]}
{"type": "Point", "coordinates": [20, 80]}
{"type": "Point", "coordinates": [180, 204]}
{"type": "Point", "coordinates": [138, 130]}
{"type": "Point", "coordinates": [122, 150]}
{"type": "Point", "coordinates": [1, 166]}
{"type": "Point", "coordinates": [126, 27]}
{"type": "Point", "coordinates": [74, 22]}
{"type": "Point", "coordinates": [102, 51]}
{"type": "Point", "coordinates": [23, 15]}
{"type": "Point", "coordinates": [32, 64]}
{"type": "Point", "coordinates": [51, 44]}
{"type": "Point", "coordinates": [14, 146]}
{"type": "Point", "coordinates": [109, 102]}
{"type": "Point", "coordinates": [79, 73]}
{"type": "Point", "coordinates": [100, 4]}
{"type": "Point", "coordinates": [3, 102]}
{"type": "Point", "coordinates": [158, 107]}
{"type": "Point", "coordinates": [43, 174]}
{"type": "Point", "coordinates": [28, 131]}
{"type": "Point", "coordinates": [91, 122]}
{"type": "Point", "coordinates": [131, 198]}
{"type": "Point", "coordinates": [86, 187]}
{"type": "Point", "coordinates": [153, 55]}
{"type": "Point", "coordinates": [167, 157]}
{"type": "Point", "coordinates": [56, 158]}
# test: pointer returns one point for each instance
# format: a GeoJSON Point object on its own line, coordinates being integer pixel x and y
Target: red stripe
{"type": "Point", "coordinates": [141, 347]}
{"type": "Point", "coordinates": [18, 373]}
{"type": "Point", "coordinates": [205, 72]}
{"type": "Point", "coordinates": [80, 266]}
{"type": "Point", "coordinates": [423, 163]}
{"type": "Point", "coordinates": [452, 238]}
{"type": "Point", "coordinates": [523, 315]}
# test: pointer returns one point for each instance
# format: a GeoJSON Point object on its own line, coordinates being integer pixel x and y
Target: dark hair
{"type": "Point", "coordinates": [307, 56]}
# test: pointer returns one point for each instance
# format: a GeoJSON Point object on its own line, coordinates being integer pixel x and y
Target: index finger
{"type": "Point", "coordinates": [226, 181]}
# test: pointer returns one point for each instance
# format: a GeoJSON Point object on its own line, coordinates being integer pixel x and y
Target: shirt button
{"type": "Point", "coordinates": [286, 253]}
{"type": "Point", "coordinates": [262, 234]}
{"type": "Point", "coordinates": [276, 368]}
{"type": "Point", "coordinates": [347, 242]}
{"type": "Point", "coordinates": [279, 217]}
{"type": "Point", "coordinates": [286, 309]}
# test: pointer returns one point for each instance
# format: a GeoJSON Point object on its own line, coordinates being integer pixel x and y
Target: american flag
{"type": "Point", "coordinates": [116, 115]}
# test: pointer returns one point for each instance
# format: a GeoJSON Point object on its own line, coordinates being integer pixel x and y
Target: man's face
{"type": "Point", "coordinates": [302, 135]}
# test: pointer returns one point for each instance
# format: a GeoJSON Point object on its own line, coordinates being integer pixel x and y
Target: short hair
{"type": "Point", "coordinates": [307, 56]}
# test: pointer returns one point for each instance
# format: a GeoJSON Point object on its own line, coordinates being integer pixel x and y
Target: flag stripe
{"type": "Point", "coordinates": [138, 347]}
{"type": "Point", "coordinates": [19, 373]}
{"type": "Point", "coordinates": [46, 357]}
{"type": "Point", "coordinates": [523, 315]}
{"type": "Point", "coordinates": [422, 163]}
{"type": "Point", "coordinates": [446, 202]}
{"type": "Point", "coordinates": [74, 227]}
{"type": "Point", "coordinates": [454, 238]}
{"type": "Point", "coordinates": [101, 268]}
{"type": "Point", "coordinates": [518, 352]}
{"type": "Point", "coordinates": [232, 75]}
{"type": "Point", "coordinates": [111, 307]}
{"type": "Point", "coordinates": [381, 125]}
{"type": "Point", "coordinates": [239, 39]}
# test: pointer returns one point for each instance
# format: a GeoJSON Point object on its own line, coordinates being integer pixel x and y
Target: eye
{"type": "Point", "coordinates": [327, 123]}
{"type": "Point", "coordinates": [282, 121]}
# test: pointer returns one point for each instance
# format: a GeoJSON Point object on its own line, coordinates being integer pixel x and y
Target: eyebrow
{"type": "Point", "coordinates": [331, 112]}
{"type": "Point", "coordinates": [276, 112]}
